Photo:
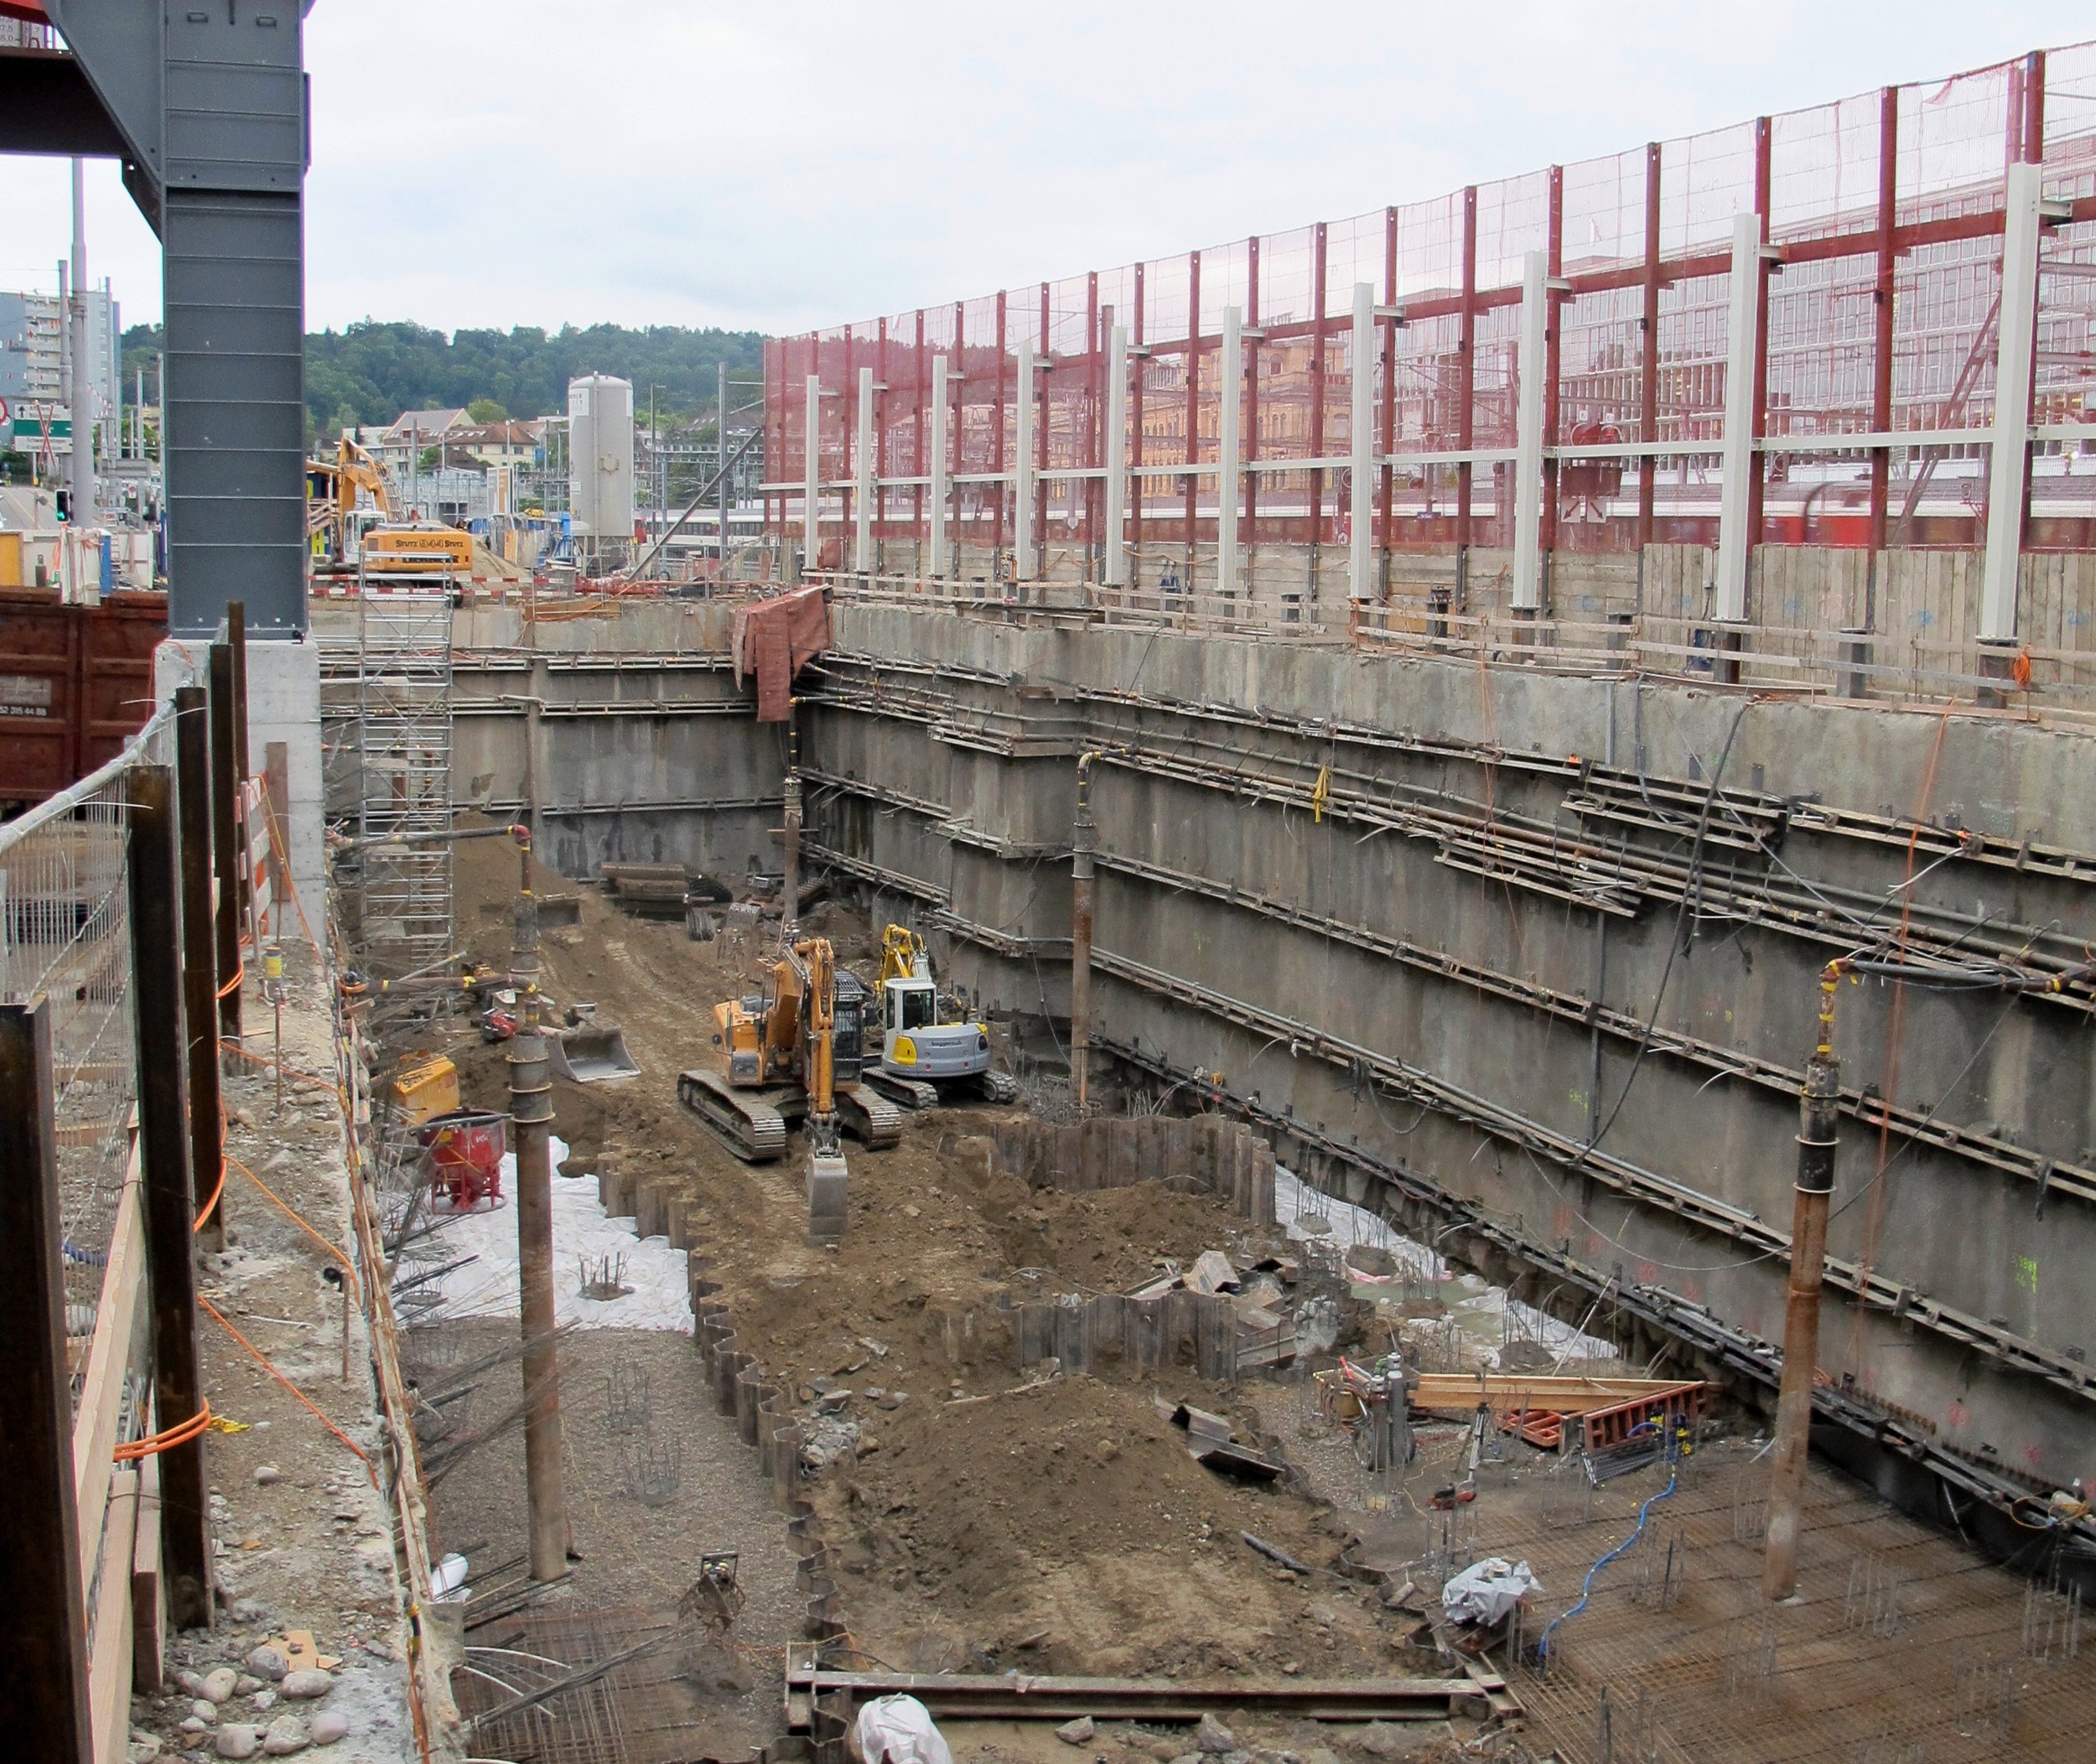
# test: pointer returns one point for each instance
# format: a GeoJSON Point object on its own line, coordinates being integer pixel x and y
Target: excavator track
{"type": "Point", "coordinates": [868, 1116]}
{"type": "Point", "coordinates": [912, 1093]}
{"type": "Point", "coordinates": [998, 1086]}
{"type": "Point", "coordinates": [752, 1129]}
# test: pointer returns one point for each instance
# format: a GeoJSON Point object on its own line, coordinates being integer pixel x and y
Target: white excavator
{"type": "Point", "coordinates": [931, 1052]}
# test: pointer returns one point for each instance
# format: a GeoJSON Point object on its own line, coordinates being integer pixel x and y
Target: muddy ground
{"type": "Point", "coordinates": [977, 1525]}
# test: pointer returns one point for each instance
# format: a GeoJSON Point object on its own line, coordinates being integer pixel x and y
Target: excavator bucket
{"type": "Point", "coordinates": [828, 1177]}
{"type": "Point", "coordinates": [589, 1054]}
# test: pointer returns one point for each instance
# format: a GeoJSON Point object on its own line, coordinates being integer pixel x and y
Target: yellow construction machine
{"type": "Point", "coordinates": [343, 534]}
{"type": "Point", "coordinates": [792, 1052]}
{"type": "Point", "coordinates": [929, 1050]}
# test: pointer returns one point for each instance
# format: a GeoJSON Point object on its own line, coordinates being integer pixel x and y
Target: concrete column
{"type": "Point", "coordinates": [1025, 565]}
{"type": "Point", "coordinates": [863, 511]}
{"type": "Point", "coordinates": [811, 483]}
{"type": "Point", "coordinates": [1117, 457]}
{"type": "Point", "coordinates": [1229, 450]}
{"type": "Point", "coordinates": [1736, 549]}
{"type": "Point", "coordinates": [941, 472]}
{"type": "Point", "coordinates": [80, 394]}
{"type": "Point", "coordinates": [1361, 554]}
{"type": "Point", "coordinates": [1527, 578]}
{"type": "Point", "coordinates": [2010, 464]}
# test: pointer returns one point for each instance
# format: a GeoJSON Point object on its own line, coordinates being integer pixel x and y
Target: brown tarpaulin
{"type": "Point", "coordinates": [774, 639]}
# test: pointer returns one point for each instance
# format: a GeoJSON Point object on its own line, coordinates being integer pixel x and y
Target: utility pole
{"type": "Point", "coordinates": [80, 398]}
{"type": "Point", "coordinates": [1819, 1109]}
{"type": "Point", "coordinates": [720, 451]}
{"type": "Point", "coordinates": [532, 1108]}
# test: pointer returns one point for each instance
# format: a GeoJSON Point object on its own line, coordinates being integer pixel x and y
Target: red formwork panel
{"type": "Point", "coordinates": [75, 684]}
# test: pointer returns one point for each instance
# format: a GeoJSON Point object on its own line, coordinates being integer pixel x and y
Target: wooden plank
{"type": "Point", "coordinates": [108, 1359]}
{"type": "Point", "coordinates": [1460, 1393]}
{"type": "Point", "coordinates": [109, 1675]}
{"type": "Point", "coordinates": [148, 1615]}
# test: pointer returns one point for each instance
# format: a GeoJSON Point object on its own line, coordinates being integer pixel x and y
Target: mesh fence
{"type": "Point", "coordinates": [65, 935]}
{"type": "Point", "coordinates": [1904, 187]}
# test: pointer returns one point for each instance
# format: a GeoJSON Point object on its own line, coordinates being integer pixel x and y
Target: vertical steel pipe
{"type": "Point", "coordinates": [1819, 1109]}
{"type": "Point", "coordinates": [1083, 841]}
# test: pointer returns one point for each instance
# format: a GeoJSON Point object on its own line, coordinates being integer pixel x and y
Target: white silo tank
{"type": "Point", "coordinates": [600, 459]}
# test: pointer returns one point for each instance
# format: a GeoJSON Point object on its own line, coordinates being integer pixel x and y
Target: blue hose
{"type": "Point", "coordinates": [1586, 1587]}
{"type": "Point", "coordinates": [85, 1258]}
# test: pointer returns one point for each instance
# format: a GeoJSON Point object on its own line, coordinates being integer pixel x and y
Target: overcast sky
{"type": "Point", "coordinates": [770, 166]}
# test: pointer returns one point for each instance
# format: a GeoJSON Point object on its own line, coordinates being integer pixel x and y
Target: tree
{"type": "Point", "coordinates": [485, 411]}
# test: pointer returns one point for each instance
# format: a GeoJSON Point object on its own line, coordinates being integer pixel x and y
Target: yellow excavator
{"type": "Point", "coordinates": [793, 1053]}
{"type": "Point", "coordinates": [343, 534]}
{"type": "Point", "coordinates": [929, 1051]}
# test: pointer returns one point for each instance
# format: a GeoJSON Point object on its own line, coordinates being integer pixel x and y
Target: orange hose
{"type": "Point", "coordinates": [233, 985]}
{"type": "Point", "coordinates": [263, 1360]}
{"type": "Point", "coordinates": [290, 1212]}
{"type": "Point", "coordinates": [211, 1205]}
{"type": "Point", "coordinates": [167, 1438]}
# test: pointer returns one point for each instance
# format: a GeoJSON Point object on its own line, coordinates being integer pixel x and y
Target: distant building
{"type": "Point", "coordinates": [403, 441]}
{"type": "Point", "coordinates": [509, 445]}
{"type": "Point", "coordinates": [32, 372]}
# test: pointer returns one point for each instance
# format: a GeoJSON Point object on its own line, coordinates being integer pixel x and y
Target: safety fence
{"type": "Point", "coordinates": [1786, 332]}
{"type": "Point", "coordinates": [137, 908]}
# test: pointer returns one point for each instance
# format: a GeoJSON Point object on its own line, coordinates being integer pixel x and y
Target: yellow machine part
{"type": "Point", "coordinates": [406, 550]}
{"type": "Point", "coordinates": [426, 1090]}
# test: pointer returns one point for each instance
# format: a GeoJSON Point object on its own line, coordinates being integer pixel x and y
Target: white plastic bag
{"type": "Point", "coordinates": [898, 1730]}
{"type": "Point", "coordinates": [1487, 1590]}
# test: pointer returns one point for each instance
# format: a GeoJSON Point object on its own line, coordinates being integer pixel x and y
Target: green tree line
{"type": "Point", "coordinates": [371, 372]}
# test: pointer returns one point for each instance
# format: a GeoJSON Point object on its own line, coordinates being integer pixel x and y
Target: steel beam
{"type": "Point", "coordinates": [942, 467]}
{"type": "Point", "coordinates": [1527, 573]}
{"type": "Point", "coordinates": [1734, 542]}
{"type": "Point", "coordinates": [863, 497]}
{"type": "Point", "coordinates": [811, 477]}
{"type": "Point", "coordinates": [1116, 570]}
{"type": "Point", "coordinates": [2009, 467]}
{"type": "Point", "coordinates": [1025, 561]}
{"type": "Point", "coordinates": [1361, 551]}
{"type": "Point", "coordinates": [1228, 474]}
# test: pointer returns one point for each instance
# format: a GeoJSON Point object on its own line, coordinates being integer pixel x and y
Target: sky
{"type": "Point", "coordinates": [494, 163]}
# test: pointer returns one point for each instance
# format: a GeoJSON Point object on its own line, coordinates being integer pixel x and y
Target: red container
{"type": "Point", "coordinates": [466, 1147]}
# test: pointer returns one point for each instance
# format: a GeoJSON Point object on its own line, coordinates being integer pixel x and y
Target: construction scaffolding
{"type": "Point", "coordinates": [401, 742]}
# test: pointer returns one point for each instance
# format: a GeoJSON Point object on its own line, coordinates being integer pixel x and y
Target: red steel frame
{"type": "Point", "coordinates": [1077, 410]}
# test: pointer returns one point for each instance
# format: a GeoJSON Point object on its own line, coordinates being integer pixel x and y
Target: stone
{"type": "Point", "coordinates": [1383, 1739]}
{"type": "Point", "coordinates": [192, 1682]}
{"type": "Point", "coordinates": [264, 1699]}
{"type": "Point", "coordinates": [1291, 1668]}
{"type": "Point", "coordinates": [330, 1726]}
{"type": "Point", "coordinates": [287, 1733]}
{"type": "Point", "coordinates": [1212, 1737]}
{"type": "Point", "coordinates": [205, 1711]}
{"type": "Point", "coordinates": [144, 1748]}
{"type": "Point", "coordinates": [304, 1685]}
{"type": "Point", "coordinates": [1164, 1751]}
{"type": "Point", "coordinates": [219, 1683]}
{"type": "Point", "coordinates": [246, 1684]}
{"type": "Point", "coordinates": [238, 1739]}
{"type": "Point", "coordinates": [265, 1662]}
{"type": "Point", "coordinates": [1078, 1732]}
{"type": "Point", "coordinates": [192, 1724]}
{"type": "Point", "coordinates": [249, 1611]}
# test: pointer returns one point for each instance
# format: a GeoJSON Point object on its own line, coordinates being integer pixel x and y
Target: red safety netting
{"type": "Point", "coordinates": [1639, 245]}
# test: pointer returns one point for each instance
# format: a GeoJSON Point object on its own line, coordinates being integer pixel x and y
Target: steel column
{"type": "Point", "coordinates": [1764, 265]}
{"type": "Point", "coordinates": [43, 1674]}
{"type": "Point", "coordinates": [1025, 564]}
{"type": "Point", "coordinates": [170, 1197]}
{"type": "Point", "coordinates": [225, 842]}
{"type": "Point", "coordinates": [1466, 390]}
{"type": "Point", "coordinates": [1193, 399]}
{"type": "Point", "coordinates": [811, 477]}
{"type": "Point", "coordinates": [1648, 359]}
{"type": "Point", "coordinates": [1387, 476]}
{"type": "Point", "coordinates": [1734, 541]}
{"type": "Point", "coordinates": [1881, 294]}
{"type": "Point", "coordinates": [2008, 465]}
{"type": "Point", "coordinates": [863, 497]}
{"type": "Point", "coordinates": [941, 469]}
{"type": "Point", "coordinates": [200, 960]}
{"type": "Point", "coordinates": [1227, 468]}
{"type": "Point", "coordinates": [1117, 457]}
{"type": "Point", "coordinates": [1361, 551]}
{"type": "Point", "coordinates": [1527, 571]}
